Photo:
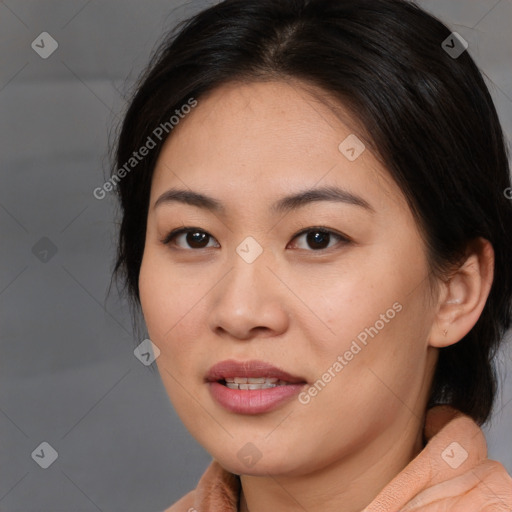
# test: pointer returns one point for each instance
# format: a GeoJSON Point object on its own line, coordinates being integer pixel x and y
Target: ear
{"type": "Point", "coordinates": [463, 296]}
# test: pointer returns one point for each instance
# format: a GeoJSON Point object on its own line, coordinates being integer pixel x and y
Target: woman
{"type": "Point", "coordinates": [315, 227]}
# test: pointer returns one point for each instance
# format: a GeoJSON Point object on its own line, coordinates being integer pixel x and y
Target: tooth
{"type": "Point", "coordinates": [229, 379]}
{"type": "Point", "coordinates": [248, 387]}
{"type": "Point", "coordinates": [240, 380]}
{"type": "Point", "coordinates": [256, 380]}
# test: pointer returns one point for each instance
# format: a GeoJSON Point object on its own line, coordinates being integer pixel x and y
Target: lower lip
{"type": "Point", "coordinates": [253, 401]}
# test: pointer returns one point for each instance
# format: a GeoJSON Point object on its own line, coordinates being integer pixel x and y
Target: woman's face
{"type": "Point", "coordinates": [350, 314]}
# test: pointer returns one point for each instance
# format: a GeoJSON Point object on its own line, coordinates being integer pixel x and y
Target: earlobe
{"type": "Point", "coordinates": [464, 295]}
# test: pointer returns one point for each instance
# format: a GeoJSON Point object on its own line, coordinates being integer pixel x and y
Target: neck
{"type": "Point", "coordinates": [347, 485]}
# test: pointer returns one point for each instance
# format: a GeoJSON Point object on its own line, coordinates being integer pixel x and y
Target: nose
{"type": "Point", "coordinates": [250, 301]}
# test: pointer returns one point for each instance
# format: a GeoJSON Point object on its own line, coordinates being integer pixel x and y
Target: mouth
{"type": "Point", "coordinates": [251, 387]}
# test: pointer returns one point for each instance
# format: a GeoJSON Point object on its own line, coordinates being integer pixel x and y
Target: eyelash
{"type": "Point", "coordinates": [342, 239]}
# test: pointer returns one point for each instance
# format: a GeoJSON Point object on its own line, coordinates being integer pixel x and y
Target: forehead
{"type": "Point", "coordinates": [268, 138]}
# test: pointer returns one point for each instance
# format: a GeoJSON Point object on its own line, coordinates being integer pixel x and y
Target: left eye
{"type": "Point", "coordinates": [317, 238]}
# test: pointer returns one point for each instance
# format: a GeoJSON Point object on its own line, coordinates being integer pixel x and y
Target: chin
{"type": "Point", "coordinates": [259, 468]}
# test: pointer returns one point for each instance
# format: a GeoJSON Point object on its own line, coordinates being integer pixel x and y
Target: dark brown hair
{"type": "Point", "coordinates": [426, 114]}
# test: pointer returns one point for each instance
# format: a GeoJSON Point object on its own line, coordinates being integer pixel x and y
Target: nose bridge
{"type": "Point", "coordinates": [249, 266]}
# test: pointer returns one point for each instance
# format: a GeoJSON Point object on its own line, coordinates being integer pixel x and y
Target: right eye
{"type": "Point", "coordinates": [195, 237]}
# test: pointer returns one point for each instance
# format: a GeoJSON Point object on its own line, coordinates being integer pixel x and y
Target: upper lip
{"type": "Point", "coordinates": [231, 368]}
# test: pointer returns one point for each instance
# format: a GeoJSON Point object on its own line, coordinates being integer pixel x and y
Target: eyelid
{"type": "Point", "coordinates": [342, 238]}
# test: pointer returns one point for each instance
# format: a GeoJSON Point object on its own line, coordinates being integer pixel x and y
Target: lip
{"type": "Point", "coordinates": [254, 401]}
{"type": "Point", "coordinates": [254, 368]}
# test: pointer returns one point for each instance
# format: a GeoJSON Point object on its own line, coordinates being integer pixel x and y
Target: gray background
{"type": "Point", "coordinates": [68, 374]}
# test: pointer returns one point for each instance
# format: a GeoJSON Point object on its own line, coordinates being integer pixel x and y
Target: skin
{"type": "Point", "coordinates": [295, 306]}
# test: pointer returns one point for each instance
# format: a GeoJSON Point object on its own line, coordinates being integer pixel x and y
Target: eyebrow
{"type": "Point", "coordinates": [285, 204]}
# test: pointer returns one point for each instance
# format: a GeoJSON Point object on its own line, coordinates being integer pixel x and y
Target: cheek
{"type": "Point", "coordinates": [355, 304]}
{"type": "Point", "coordinates": [170, 304]}
{"type": "Point", "coordinates": [372, 382]}
{"type": "Point", "coordinates": [171, 310]}
{"type": "Point", "coordinates": [376, 318]}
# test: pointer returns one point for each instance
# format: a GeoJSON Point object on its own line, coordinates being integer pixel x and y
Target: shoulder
{"type": "Point", "coordinates": [218, 490]}
{"type": "Point", "coordinates": [185, 504]}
